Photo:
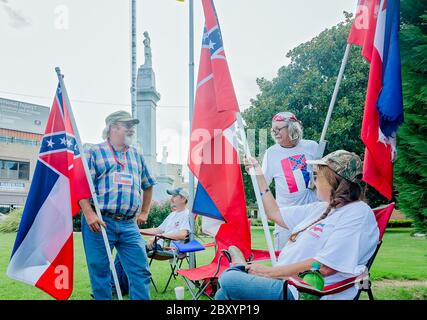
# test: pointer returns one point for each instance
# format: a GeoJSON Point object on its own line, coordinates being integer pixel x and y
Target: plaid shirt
{"type": "Point", "coordinates": [118, 199]}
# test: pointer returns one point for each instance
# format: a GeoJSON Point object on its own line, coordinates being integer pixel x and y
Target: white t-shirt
{"type": "Point", "coordinates": [291, 175]}
{"type": "Point", "coordinates": [343, 241]}
{"type": "Point", "coordinates": [175, 222]}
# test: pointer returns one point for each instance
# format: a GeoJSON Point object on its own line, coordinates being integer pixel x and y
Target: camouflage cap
{"type": "Point", "coordinates": [120, 116]}
{"type": "Point", "coordinates": [346, 164]}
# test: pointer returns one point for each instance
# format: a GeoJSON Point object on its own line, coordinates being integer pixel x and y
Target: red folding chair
{"type": "Point", "coordinates": [204, 280]}
{"type": "Point", "coordinates": [174, 254]}
{"type": "Point", "coordinates": [363, 282]}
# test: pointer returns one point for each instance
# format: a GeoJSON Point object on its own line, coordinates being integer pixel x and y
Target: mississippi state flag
{"type": "Point", "coordinates": [296, 174]}
{"type": "Point", "coordinates": [213, 157]}
{"type": "Point", "coordinates": [43, 252]}
{"type": "Point", "coordinates": [383, 112]}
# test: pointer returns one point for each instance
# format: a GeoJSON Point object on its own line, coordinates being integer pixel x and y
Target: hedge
{"type": "Point", "coordinates": [10, 223]}
{"type": "Point", "coordinates": [406, 223]}
{"type": "Point", "coordinates": [158, 213]}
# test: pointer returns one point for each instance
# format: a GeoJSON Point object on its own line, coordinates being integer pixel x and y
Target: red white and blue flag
{"type": "Point", "coordinates": [296, 173]}
{"type": "Point", "coordinates": [383, 113]}
{"type": "Point", "coordinates": [362, 31]}
{"type": "Point", "coordinates": [43, 252]}
{"type": "Point", "coordinates": [214, 158]}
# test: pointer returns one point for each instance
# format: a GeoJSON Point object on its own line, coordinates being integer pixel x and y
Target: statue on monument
{"type": "Point", "coordinates": [163, 166]}
{"type": "Point", "coordinates": [165, 155]}
{"type": "Point", "coordinates": [147, 50]}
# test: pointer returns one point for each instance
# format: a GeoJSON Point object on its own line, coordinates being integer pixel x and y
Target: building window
{"type": "Point", "coordinates": [14, 170]}
{"type": "Point", "coordinates": [24, 171]}
{"type": "Point", "coordinates": [19, 141]}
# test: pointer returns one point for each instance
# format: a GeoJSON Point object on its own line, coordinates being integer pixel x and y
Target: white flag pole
{"type": "Point", "coordinates": [89, 180]}
{"type": "Point", "coordinates": [257, 191]}
{"type": "Point", "coordinates": [322, 141]}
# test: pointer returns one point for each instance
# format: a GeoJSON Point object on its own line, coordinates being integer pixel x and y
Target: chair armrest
{"type": "Point", "coordinates": [329, 289]}
{"type": "Point", "coordinates": [191, 246]}
{"type": "Point", "coordinates": [209, 244]}
{"type": "Point", "coordinates": [144, 233]}
{"type": "Point", "coordinates": [157, 235]}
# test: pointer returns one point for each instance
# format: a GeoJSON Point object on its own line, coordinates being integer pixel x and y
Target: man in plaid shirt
{"type": "Point", "coordinates": [124, 191]}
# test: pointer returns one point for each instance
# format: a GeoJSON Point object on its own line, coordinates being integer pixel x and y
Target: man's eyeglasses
{"type": "Point", "coordinates": [277, 130]}
{"type": "Point", "coordinates": [127, 125]}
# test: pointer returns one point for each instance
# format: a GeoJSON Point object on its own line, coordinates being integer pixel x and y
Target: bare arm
{"type": "Point", "coordinates": [270, 205]}
{"type": "Point", "coordinates": [91, 217]}
{"type": "Point", "coordinates": [151, 231]}
{"type": "Point", "coordinates": [180, 235]}
{"type": "Point", "coordinates": [145, 207]}
{"type": "Point", "coordinates": [291, 270]}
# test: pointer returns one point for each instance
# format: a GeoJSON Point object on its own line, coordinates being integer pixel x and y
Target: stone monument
{"type": "Point", "coordinates": [164, 182]}
{"type": "Point", "coordinates": [147, 98]}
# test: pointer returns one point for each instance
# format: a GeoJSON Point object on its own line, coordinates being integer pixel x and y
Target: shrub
{"type": "Point", "coordinates": [411, 165]}
{"type": "Point", "coordinates": [258, 223]}
{"type": "Point", "coordinates": [11, 222]}
{"type": "Point", "coordinates": [198, 225]}
{"type": "Point", "coordinates": [406, 223]}
{"type": "Point", "coordinates": [77, 222]}
{"type": "Point", "coordinates": [158, 212]}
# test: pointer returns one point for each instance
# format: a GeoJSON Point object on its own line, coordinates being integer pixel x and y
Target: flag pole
{"type": "Point", "coordinates": [257, 191]}
{"type": "Point", "coordinates": [89, 180]}
{"type": "Point", "coordinates": [322, 142]}
{"type": "Point", "coordinates": [192, 255]}
{"type": "Point", "coordinates": [133, 58]}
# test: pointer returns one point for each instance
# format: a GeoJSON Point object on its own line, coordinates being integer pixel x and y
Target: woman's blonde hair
{"type": "Point", "coordinates": [343, 192]}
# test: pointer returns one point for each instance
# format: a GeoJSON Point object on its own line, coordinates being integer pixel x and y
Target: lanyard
{"type": "Point", "coordinates": [114, 155]}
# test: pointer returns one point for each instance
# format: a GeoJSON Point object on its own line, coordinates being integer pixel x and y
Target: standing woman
{"type": "Point", "coordinates": [340, 233]}
{"type": "Point", "coordinates": [286, 163]}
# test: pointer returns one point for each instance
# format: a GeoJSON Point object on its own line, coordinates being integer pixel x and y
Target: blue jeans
{"type": "Point", "coordinates": [237, 284]}
{"type": "Point", "coordinates": [121, 274]}
{"type": "Point", "coordinates": [125, 237]}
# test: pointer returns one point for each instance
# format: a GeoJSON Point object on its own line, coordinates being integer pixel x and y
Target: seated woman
{"type": "Point", "coordinates": [340, 233]}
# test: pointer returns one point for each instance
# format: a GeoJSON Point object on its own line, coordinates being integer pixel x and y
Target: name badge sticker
{"type": "Point", "coordinates": [123, 178]}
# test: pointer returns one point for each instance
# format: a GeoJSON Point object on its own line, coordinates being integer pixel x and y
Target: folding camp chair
{"type": "Point", "coordinates": [175, 254]}
{"type": "Point", "coordinates": [363, 282]}
{"type": "Point", "coordinates": [204, 280]}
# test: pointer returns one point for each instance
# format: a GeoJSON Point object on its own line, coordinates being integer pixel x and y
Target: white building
{"type": "Point", "coordinates": [21, 130]}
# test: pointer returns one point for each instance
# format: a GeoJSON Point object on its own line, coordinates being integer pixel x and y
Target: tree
{"type": "Point", "coordinates": [305, 86]}
{"type": "Point", "coordinates": [411, 164]}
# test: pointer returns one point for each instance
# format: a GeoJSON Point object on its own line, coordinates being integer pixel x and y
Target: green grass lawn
{"type": "Point", "coordinates": [401, 257]}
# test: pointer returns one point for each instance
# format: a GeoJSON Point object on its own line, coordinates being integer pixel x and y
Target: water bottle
{"type": "Point", "coordinates": [314, 278]}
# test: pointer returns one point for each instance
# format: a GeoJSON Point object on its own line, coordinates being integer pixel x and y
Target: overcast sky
{"type": "Point", "coordinates": [92, 47]}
